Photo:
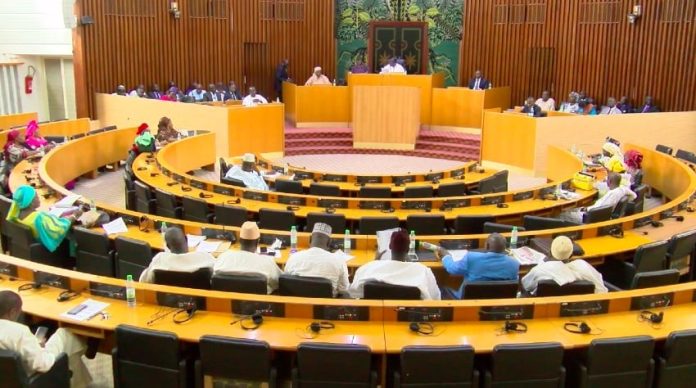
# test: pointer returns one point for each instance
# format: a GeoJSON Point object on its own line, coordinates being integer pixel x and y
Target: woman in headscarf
{"type": "Point", "coordinates": [144, 141]}
{"type": "Point", "coordinates": [15, 151]}
{"type": "Point", "coordinates": [612, 159]}
{"type": "Point", "coordinates": [634, 161]}
{"type": "Point", "coordinates": [46, 228]}
{"type": "Point", "coordinates": [166, 132]}
{"type": "Point", "coordinates": [34, 141]}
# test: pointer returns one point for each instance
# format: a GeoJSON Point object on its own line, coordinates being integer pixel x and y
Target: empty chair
{"type": "Point", "coordinates": [237, 282]}
{"type": "Point", "coordinates": [494, 289]}
{"type": "Point", "coordinates": [379, 290]}
{"type": "Point", "coordinates": [333, 365]}
{"type": "Point", "coordinates": [617, 362]}
{"type": "Point", "coordinates": [426, 224]}
{"type": "Point", "coordinates": [276, 219]}
{"type": "Point", "coordinates": [371, 225]}
{"type": "Point", "coordinates": [664, 149]}
{"type": "Point", "coordinates": [199, 279]}
{"type": "Point", "coordinates": [233, 182]}
{"type": "Point", "coordinates": [13, 374]}
{"type": "Point", "coordinates": [336, 221]}
{"type": "Point", "coordinates": [375, 192]}
{"type": "Point", "coordinates": [196, 210]}
{"type": "Point", "coordinates": [542, 223]}
{"type": "Point", "coordinates": [665, 277]}
{"type": "Point", "coordinates": [685, 155]}
{"type": "Point", "coordinates": [132, 257]}
{"type": "Point", "coordinates": [676, 365]}
{"type": "Point", "coordinates": [22, 244]}
{"type": "Point", "coordinates": [94, 253]}
{"type": "Point", "coordinates": [236, 359]}
{"type": "Point", "coordinates": [288, 186]}
{"type": "Point", "coordinates": [418, 192]}
{"type": "Point", "coordinates": [599, 214]}
{"type": "Point", "coordinates": [680, 253]}
{"type": "Point", "coordinates": [430, 367]}
{"type": "Point", "coordinates": [648, 257]}
{"type": "Point", "coordinates": [465, 224]}
{"type": "Point", "coordinates": [229, 215]}
{"type": "Point", "coordinates": [526, 365]}
{"type": "Point", "coordinates": [167, 205]}
{"type": "Point", "coordinates": [324, 190]}
{"type": "Point", "coordinates": [129, 188]}
{"type": "Point", "coordinates": [551, 288]}
{"type": "Point", "coordinates": [148, 358]}
{"type": "Point", "coordinates": [145, 202]}
{"type": "Point", "coordinates": [5, 204]}
{"type": "Point", "coordinates": [456, 189]}
{"type": "Point", "coordinates": [307, 286]}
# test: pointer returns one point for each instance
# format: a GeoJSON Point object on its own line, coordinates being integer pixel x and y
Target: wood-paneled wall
{"type": "Point", "coordinates": [565, 45]}
{"type": "Point", "coordinates": [139, 41]}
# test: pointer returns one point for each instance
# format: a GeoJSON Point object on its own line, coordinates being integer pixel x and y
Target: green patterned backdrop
{"type": "Point", "coordinates": [444, 18]}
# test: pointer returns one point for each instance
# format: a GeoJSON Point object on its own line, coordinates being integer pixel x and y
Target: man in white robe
{"type": "Point", "coordinates": [611, 198]}
{"type": "Point", "coordinates": [392, 67]}
{"type": "Point", "coordinates": [253, 99]}
{"type": "Point", "coordinates": [178, 258]}
{"type": "Point", "coordinates": [248, 173]}
{"type": "Point", "coordinates": [317, 78]}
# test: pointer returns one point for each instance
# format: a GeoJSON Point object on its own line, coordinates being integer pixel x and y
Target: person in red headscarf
{"type": "Point", "coordinates": [14, 152]}
{"type": "Point", "coordinates": [634, 166]}
{"type": "Point", "coordinates": [34, 141]}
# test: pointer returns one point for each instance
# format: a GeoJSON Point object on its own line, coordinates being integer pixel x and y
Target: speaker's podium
{"type": "Point", "coordinates": [388, 109]}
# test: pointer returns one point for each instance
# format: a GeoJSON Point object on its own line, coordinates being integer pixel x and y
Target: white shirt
{"type": "Point", "coordinates": [610, 111]}
{"type": "Point", "coordinates": [251, 179]}
{"type": "Point", "coordinates": [184, 262]}
{"type": "Point", "coordinates": [612, 197]}
{"type": "Point", "coordinates": [251, 101]}
{"type": "Point", "coordinates": [562, 274]}
{"type": "Point", "coordinates": [584, 271]}
{"type": "Point", "coordinates": [396, 69]}
{"type": "Point", "coordinates": [570, 108]}
{"type": "Point", "coordinates": [397, 273]}
{"type": "Point", "coordinates": [197, 96]}
{"type": "Point", "coordinates": [17, 337]}
{"type": "Point", "coordinates": [546, 106]}
{"type": "Point", "coordinates": [320, 263]}
{"type": "Point", "coordinates": [247, 262]}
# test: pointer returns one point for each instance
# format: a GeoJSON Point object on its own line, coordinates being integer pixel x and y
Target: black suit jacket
{"type": "Point", "coordinates": [651, 109]}
{"type": "Point", "coordinates": [153, 96]}
{"type": "Point", "coordinates": [535, 108]}
{"type": "Point", "coordinates": [483, 84]}
{"type": "Point", "coordinates": [236, 94]}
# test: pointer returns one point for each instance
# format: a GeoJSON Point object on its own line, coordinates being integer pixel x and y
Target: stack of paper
{"type": "Point", "coordinates": [67, 201]}
{"type": "Point", "coordinates": [115, 226]}
{"type": "Point", "coordinates": [85, 310]}
{"type": "Point", "coordinates": [527, 256]}
{"type": "Point", "coordinates": [383, 240]}
{"type": "Point", "coordinates": [194, 240]}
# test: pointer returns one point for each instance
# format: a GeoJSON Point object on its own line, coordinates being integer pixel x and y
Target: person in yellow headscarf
{"type": "Point", "coordinates": [47, 228]}
{"type": "Point", "coordinates": [612, 158]}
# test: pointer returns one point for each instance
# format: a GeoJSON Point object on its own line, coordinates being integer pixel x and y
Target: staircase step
{"type": "Point", "coordinates": [452, 147]}
{"type": "Point", "coordinates": [318, 142]}
{"type": "Point", "coordinates": [314, 133]}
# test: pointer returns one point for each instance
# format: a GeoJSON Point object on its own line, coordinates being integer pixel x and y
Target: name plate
{"type": "Point", "coordinates": [523, 195]}
{"type": "Point", "coordinates": [333, 203]}
{"type": "Point", "coordinates": [493, 200]}
{"type": "Point", "coordinates": [647, 302]}
{"type": "Point", "coordinates": [342, 313]}
{"type": "Point", "coordinates": [609, 229]}
{"type": "Point", "coordinates": [180, 301]}
{"type": "Point", "coordinates": [255, 196]}
{"type": "Point", "coordinates": [296, 201]}
{"type": "Point", "coordinates": [455, 203]}
{"type": "Point", "coordinates": [369, 179]}
{"type": "Point", "coordinates": [573, 235]}
{"type": "Point", "coordinates": [251, 307]}
{"type": "Point", "coordinates": [379, 205]}
{"type": "Point", "coordinates": [107, 291]}
{"type": "Point", "coordinates": [178, 178]}
{"type": "Point", "coordinates": [424, 314]}
{"type": "Point", "coordinates": [435, 175]}
{"type": "Point", "coordinates": [301, 175]}
{"type": "Point", "coordinates": [458, 173]}
{"type": "Point", "coordinates": [459, 244]}
{"type": "Point", "coordinates": [223, 190]}
{"type": "Point", "coordinates": [577, 309]}
{"type": "Point", "coordinates": [268, 239]}
{"type": "Point", "coordinates": [198, 184]}
{"type": "Point", "coordinates": [400, 180]}
{"type": "Point", "coordinates": [503, 313]}
{"type": "Point", "coordinates": [52, 280]}
{"type": "Point", "coordinates": [8, 270]}
{"type": "Point", "coordinates": [335, 178]}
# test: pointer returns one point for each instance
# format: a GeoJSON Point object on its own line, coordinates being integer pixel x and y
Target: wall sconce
{"type": "Point", "coordinates": [174, 9]}
{"type": "Point", "coordinates": [635, 14]}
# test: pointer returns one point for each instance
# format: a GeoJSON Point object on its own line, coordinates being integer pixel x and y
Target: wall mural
{"type": "Point", "coordinates": [444, 19]}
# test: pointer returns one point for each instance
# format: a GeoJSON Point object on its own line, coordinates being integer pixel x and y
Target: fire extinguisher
{"type": "Point", "coordinates": [29, 80]}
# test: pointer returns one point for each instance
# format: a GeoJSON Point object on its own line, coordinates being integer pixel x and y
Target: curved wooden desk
{"type": "Point", "coordinates": [64, 128]}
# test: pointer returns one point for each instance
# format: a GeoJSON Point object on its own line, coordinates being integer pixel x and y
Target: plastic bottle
{"type": "Point", "coordinates": [163, 232]}
{"type": "Point", "coordinates": [346, 241]}
{"type": "Point", "coordinates": [130, 291]}
{"type": "Point", "coordinates": [531, 113]}
{"type": "Point", "coordinates": [513, 238]}
{"type": "Point", "coordinates": [412, 243]}
{"type": "Point", "coordinates": [293, 239]}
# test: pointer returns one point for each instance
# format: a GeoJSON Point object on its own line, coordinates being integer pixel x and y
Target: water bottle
{"type": "Point", "coordinates": [334, 82]}
{"type": "Point", "coordinates": [346, 241]}
{"type": "Point", "coordinates": [513, 238]}
{"type": "Point", "coordinates": [130, 291]}
{"type": "Point", "coordinates": [531, 113]}
{"type": "Point", "coordinates": [163, 232]}
{"type": "Point", "coordinates": [293, 239]}
{"type": "Point", "coordinates": [412, 243]}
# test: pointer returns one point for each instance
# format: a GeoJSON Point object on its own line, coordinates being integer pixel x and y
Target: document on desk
{"type": "Point", "coordinates": [342, 255]}
{"type": "Point", "coordinates": [527, 255]}
{"type": "Point", "coordinates": [115, 226]}
{"type": "Point", "coordinates": [85, 310]}
{"type": "Point", "coordinates": [194, 240]}
{"type": "Point", "coordinates": [59, 211]}
{"type": "Point", "coordinates": [67, 201]}
{"type": "Point", "coordinates": [383, 240]}
{"type": "Point", "coordinates": [208, 246]}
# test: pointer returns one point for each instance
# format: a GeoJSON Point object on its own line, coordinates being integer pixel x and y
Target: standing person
{"type": "Point", "coordinates": [546, 102]}
{"type": "Point", "coordinates": [281, 75]}
{"type": "Point", "coordinates": [317, 78]}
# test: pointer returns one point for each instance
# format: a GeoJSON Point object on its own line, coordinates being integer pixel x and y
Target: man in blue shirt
{"type": "Point", "coordinates": [493, 264]}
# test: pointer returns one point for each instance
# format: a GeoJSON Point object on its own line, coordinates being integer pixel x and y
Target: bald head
{"type": "Point", "coordinates": [176, 240]}
{"type": "Point", "coordinates": [496, 243]}
{"type": "Point", "coordinates": [10, 305]}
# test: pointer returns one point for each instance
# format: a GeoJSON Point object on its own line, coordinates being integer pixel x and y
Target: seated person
{"type": "Point", "coordinates": [248, 173]}
{"type": "Point", "coordinates": [317, 78]}
{"type": "Point", "coordinates": [33, 139]}
{"type": "Point", "coordinates": [562, 271]}
{"type": "Point", "coordinates": [634, 160]}
{"type": "Point", "coordinates": [15, 150]}
{"type": "Point", "coordinates": [178, 258]}
{"type": "Point", "coordinates": [209, 94]}
{"type": "Point", "coordinates": [493, 264]}
{"type": "Point", "coordinates": [616, 192]}
{"type": "Point", "coordinates": [478, 82]}
{"type": "Point", "coordinates": [318, 261]}
{"type": "Point", "coordinates": [232, 92]}
{"type": "Point", "coordinates": [396, 271]}
{"type": "Point", "coordinates": [586, 107]}
{"type": "Point", "coordinates": [392, 67]}
{"type": "Point", "coordinates": [154, 92]}
{"type": "Point", "coordinates": [624, 105]}
{"type": "Point", "coordinates": [359, 67]}
{"type": "Point", "coordinates": [144, 141]}
{"type": "Point", "coordinates": [648, 106]}
{"type": "Point", "coordinates": [48, 229]}
{"type": "Point", "coordinates": [545, 102]}
{"type": "Point", "coordinates": [39, 356]}
{"type": "Point", "coordinates": [120, 91]}
{"type": "Point", "coordinates": [253, 98]}
{"type": "Point", "coordinates": [171, 95]}
{"type": "Point", "coordinates": [165, 132]}
{"type": "Point", "coordinates": [197, 93]}
{"type": "Point", "coordinates": [218, 93]}
{"type": "Point", "coordinates": [610, 108]}
{"type": "Point", "coordinates": [530, 108]}
{"type": "Point", "coordinates": [139, 92]}
{"type": "Point", "coordinates": [246, 260]}
{"type": "Point", "coordinates": [612, 158]}
{"type": "Point", "coordinates": [570, 106]}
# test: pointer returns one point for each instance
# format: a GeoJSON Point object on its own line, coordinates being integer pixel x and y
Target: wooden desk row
{"type": "Point", "coordinates": [13, 120]}
{"type": "Point", "coordinates": [63, 128]}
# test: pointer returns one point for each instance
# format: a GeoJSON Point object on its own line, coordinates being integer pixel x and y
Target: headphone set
{"type": "Point", "coordinates": [314, 328]}
{"type": "Point", "coordinates": [67, 295]}
{"type": "Point", "coordinates": [181, 315]}
{"type": "Point", "coordinates": [649, 316]}
{"type": "Point", "coordinates": [579, 328]}
{"type": "Point", "coordinates": [30, 286]}
{"type": "Point", "coordinates": [256, 321]}
{"type": "Point", "coordinates": [423, 328]}
{"type": "Point", "coordinates": [513, 327]}
{"type": "Point", "coordinates": [204, 195]}
{"type": "Point", "coordinates": [234, 201]}
{"type": "Point", "coordinates": [292, 207]}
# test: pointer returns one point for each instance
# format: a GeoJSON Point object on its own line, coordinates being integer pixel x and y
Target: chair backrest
{"type": "Point", "coordinates": [456, 189]}
{"type": "Point", "coordinates": [651, 256]}
{"type": "Point", "coordinates": [542, 365]}
{"type": "Point", "coordinates": [418, 192]}
{"type": "Point", "coordinates": [144, 198]}
{"type": "Point", "coordinates": [620, 208]}
{"type": "Point", "coordinates": [684, 155]}
{"type": "Point", "coordinates": [129, 190]}
{"type": "Point", "coordinates": [144, 358]}
{"type": "Point", "coordinates": [677, 363]}
{"type": "Point", "coordinates": [664, 149]}
{"type": "Point", "coordinates": [600, 214]}
{"type": "Point", "coordinates": [288, 186]}
{"type": "Point", "coordinates": [13, 375]}
{"type": "Point", "coordinates": [636, 206]}
{"type": "Point", "coordinates": [621, 362]}
{"type": "Point", "coordinates": [487, 185]}
{"type": "Point", "coordinates": [371, 225]}
{"type": "Point", "coordinates": [196, 210]}
{"type": "Point", "coordinates": [199, 279]}
{"type": "Point", "coordinates": [94, 253]}
{"type": "Point", "coordinates": [307, 286]}
{"type": "Point", "coordinates": [229, 215]}
{"type": "Point", "coordinates": [380, 290]}
{"type": "Point", "coordinates": [549, 287]}
{"type": "Point", "coordinates": [11, 370]}
{"type": "Point", "coordinates": [336, 221]}
{"type": "Point", "coordinates": [223, 167]}
{"type": "Point", "coordinates": [276, 219]}
{"type": "Point", "coordinates": [426, 224]}
{"type": "Point", "coordinates": [167, 205]}
{"type": "Point", "coordinates": [233, 182]}
{"type": "Point", "coordinates": [681, 245]}
{"type": "Point", "coordinates": [490, 289]}
{"type": "Point", "coordinates": [542, 223]}
{"type": "Point", "coordinates": [237, 282]}
{"type": "Point", "coordinates": [132, 257]}
{"type": "Point", "coordinates": [655, 278]}
{"type": "Point", "coordinates": [5, 204]}
{"type": "Point", "coordinates": [431, 366]}
{"type": "Point", "coordinates": [471, 224]}
{"type": "Point", "coordinates": [20, 239]}
{"type": "Point", "coordinates": [375, 192]}
{"type": "Point", "coordinates": [324, 190]}
{"type": "Point", "coordinates": [235, 358]}
{"type": "Point", "coordinates": [501, 181]}
{"type": "Point", "coordinates": [320, 365]}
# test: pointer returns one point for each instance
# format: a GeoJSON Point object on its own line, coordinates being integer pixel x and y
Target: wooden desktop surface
{"type": "Point", "coordinates": [13, 120]}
